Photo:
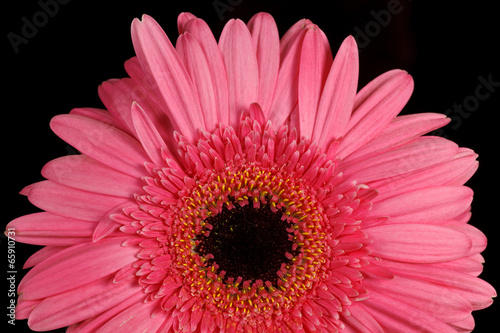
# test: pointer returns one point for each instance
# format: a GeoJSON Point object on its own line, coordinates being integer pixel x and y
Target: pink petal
{"type": "Point", "coordinates": [238, 53]}
{"type": "Point", "coordinates": [452, 172]}
{"type": "Point", "coordinates": [107, 225]}
{"type": "Point", "coordinates": [418, 243]}
{"type": "Point", "coordinates": [84, 173]}
{"type": "Point", "coordinates": [464, 326]}
{"type": "Point", "coordinates": [424, 205]}
{"type": "Point", "coordinates": [160, 61]}
{"type": "Point", "coordinates": [102, 142]}
{"type": "Point", "coordinates": [435, 300]}
{"type": "Point", "coordinates": [257, 113]}
{"type": "Point", "coordinates": [464, 155]}
{"type": "Point", "coordinates": [315, 62]}
{"type": "Point", "coordinates": [479, 240]}
{"type": "Point", "coordinates": [294, 33]}
{"type": "Point", "coordinates": [195, 319]}
{"type": "Point", "coordinates": [267, 45]}
{"type": "Point", "coordinates": [148, 135]}
{"type": "Point", "coordinates": [116, 95]}
{"type": "Point", "coordinates": [80, 205]}
{"type": "Point", "coordinates": [140, 88]}
{"type": "Point", "coordinates": [75, 266]}
{"type": "Point", "coordinates": [286, 94]}
{"type": "Point", "coordinates": [144, 93]}
{"type": "Point", "coordinates": [207, 322]}
{"type": "Point", "coordinates": [463, 218]}
{"type": "Point", "coordinates": [375, 106]}
{"type": "Point", "coordinates": [25, 307]}
{"type": "Point", "coordinates": [207, 41]}
{"type": "Point", "coordinates": [182, 21]}
{"type": "Point", "coordinates": [26, 190]}
{"type": "Point", "coordinates": [405, 319]}
{"type": "Point", "coordinates": [472, 265]}
{"type": "Point", "coordinates": [197, 65]}
{"type": "Point", "coordinates": [41, 255]}
{"type": "Point", "coordinates": [91, 324]}
{"type": "Point", "coordinates": [337, 99]}
{"type": "Point", "coordinates": [400, 131]}
{"type": "Point", "coordinates": [101, 115]}
{"type": "Point", "coordinates": [137, 318]}
{"type": "Point", "coordinates": [293, 120]}
{"type": "Point", "coordinates": [49, 229]}
{"type": "Point", "coordinates": [361, 320]}
{"type": "Point", "coordinates": [376, 270]}
{"type": "Point", "coordinates": [420, 153]}
{"type": "Point", "coordinates": [78, 304]}
{"type": "Point", "coordinates": [477, 291]}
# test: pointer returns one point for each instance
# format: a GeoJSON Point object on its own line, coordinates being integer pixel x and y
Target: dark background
{"type": "Point", "coordinates": [446, 47]}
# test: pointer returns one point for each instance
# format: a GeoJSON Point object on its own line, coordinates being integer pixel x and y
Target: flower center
{"type": "Point", "coordinates": [248, 242]}
{"type": "Point", "coordinates": [248, 234]}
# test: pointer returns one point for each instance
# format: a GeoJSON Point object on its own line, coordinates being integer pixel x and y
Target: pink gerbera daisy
{"type": "Point", "coordinates": [247, 186]}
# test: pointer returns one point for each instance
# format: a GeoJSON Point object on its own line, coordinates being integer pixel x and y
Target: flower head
{"type": "Point", "coordinates": [245, 185]}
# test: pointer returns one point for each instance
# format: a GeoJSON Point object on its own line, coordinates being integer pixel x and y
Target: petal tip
{"type": "Point", "coordinates": [350, 48]}
{"type": "Point", "coordinates": [26, 190]}
{"type": "Point", "coordinates": [182, 21]}
{"type": "Point", "coordinates": [57, 121]}
{"type": "Point", "coordinates": [350, 41]}
{"type": "Point", "coordinates": [262, 16]}
{"type": "Point", "coordinates": [144, 19]}
{"type": "Point", "coordinates": [306, 23]}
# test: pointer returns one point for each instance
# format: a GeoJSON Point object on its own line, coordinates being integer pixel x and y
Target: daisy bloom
{"type": "Point", "coordinates": [246, 185]}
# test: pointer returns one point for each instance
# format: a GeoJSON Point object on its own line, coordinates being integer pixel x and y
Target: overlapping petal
{"type": "Point", "coordinates": [240, 60]}
{"type": "Point", "coordinates": [78, 204]}
{"type": "Point", "coordinates": [159, 59]}
{"type": "Point", "coordinates": [418, 243]}
{"type": "Point", "coordinates": [49, 229]}
{"type": "Point", "coordinates": [265, 38]}
{"type": "Point", "coordinates": [84, 173]}
{"type": "Point", "coordinates": [200, 30]}
{"type": "Point", "coordinates": [337, 99]}
{"type": "Point", "coordinates": [76, 266]}
{"type": "Point", "coordinates": [102, 142]}
{"type": "Point", "coordinates": [78, 304]}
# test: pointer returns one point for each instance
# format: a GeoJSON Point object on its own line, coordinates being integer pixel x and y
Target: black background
{"type": "Point", "coordinates": [446, 47]}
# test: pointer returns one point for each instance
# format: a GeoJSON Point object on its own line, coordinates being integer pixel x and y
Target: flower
{"type": "Point", "coordinates": [246, 186]}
